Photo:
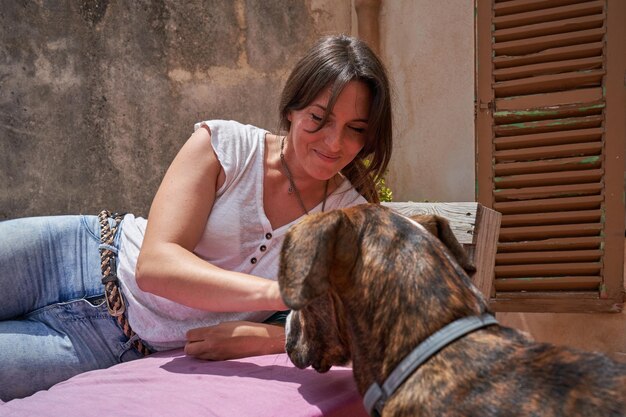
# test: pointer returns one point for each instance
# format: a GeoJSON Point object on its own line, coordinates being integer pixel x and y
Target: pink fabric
{"type": "Point", "coordinates": [172, 384]}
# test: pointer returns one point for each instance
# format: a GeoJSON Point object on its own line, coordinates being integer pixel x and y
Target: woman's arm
{"type": "Point", "coordinates": [235, 339]}
{"type": "Point", "coordinates": [167, 265]}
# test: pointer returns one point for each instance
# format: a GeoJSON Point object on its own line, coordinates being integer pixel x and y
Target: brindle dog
{"type": "Point", "coordinates": [368, 285]}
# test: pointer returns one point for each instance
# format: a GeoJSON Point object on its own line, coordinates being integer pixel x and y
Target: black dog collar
{"type": "Point", "coordinates": [376, 396]}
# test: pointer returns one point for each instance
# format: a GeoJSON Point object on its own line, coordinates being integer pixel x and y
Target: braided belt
{"type": "Point", "coordinates": [113, 295]}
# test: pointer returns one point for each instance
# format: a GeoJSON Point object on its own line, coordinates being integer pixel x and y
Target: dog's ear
{"type": "Point", "coordinates": [310, 251]}
{"type": "Point", "coordinates": [440, 227]}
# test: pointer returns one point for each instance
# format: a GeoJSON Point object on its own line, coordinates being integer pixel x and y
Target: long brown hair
{"type": "Point", "coordinates": [331, 63]}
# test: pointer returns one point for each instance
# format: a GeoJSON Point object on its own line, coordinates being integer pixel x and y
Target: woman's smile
{"type": "Point", "coordinates": [319, 151]}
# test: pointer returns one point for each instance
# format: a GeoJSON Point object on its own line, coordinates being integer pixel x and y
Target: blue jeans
{"type": "Point", "coordinates": [53, 318]}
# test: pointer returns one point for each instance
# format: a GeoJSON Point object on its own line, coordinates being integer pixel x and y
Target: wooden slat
{"type": "Point", "coordinates": [484, 92]}
{"type": "Point", "coordinates": [521, 258]}
{"type": "Point", "coordinates": [551, 191]}
{"type": "Point", "coordinates": [547, 165]}
{"type": "Point", "coordinates": [486, 239]}
{"type": "Point", "coordinates": [545, 15]}
{"type": "Point", "coordinates": [545, 270]}
{"type": "Point", "coordinates": [549, 231]}
{"type": "Point", "coordinates": [548, 283]}
{"type": "Point", "coordinates": [545, 152]}
{"type": "Point", "coordinates": [548, 83]}
{"type": "Point", "coordinates": [536, 45]}
{"type": "Point", "coordinates": [521, 6]}
{"type": "Point", "coordinates": [461, 216]}
{"type": "Point", "coordinates": [559, 217]}
{"type": "Point", "coordinates": [534, 70]}
{"type": "Point", "coordinates": [549, 204]}
{"type": "Point", "coordinates": [548, 125]}
{"type": "Point", "coordinates": [545, 101]}
{"type": "Point", "coordinates": [555, 112]}
{"type": "Point", "coordinates": [560, 301]}
{"type": "Point", "coordinates": [551, 54]}
{"type": "Point", "coordinates": [551, 138]}
{"type": "Point", "coordinates": [615, 152]}
{"type": "Point", "coordinates": [550, 28]}
{"type": "Point", "coordinates": [572, 243]}
{"type": "Point", "coordinates": [553, 178]}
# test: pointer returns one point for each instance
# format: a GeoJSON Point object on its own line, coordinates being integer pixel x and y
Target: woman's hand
{"type": "Point", "coordinates": [235, 339]}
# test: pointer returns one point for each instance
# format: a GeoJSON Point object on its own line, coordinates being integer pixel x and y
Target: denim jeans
{"type": "Point", "coordinates": [53, 318]}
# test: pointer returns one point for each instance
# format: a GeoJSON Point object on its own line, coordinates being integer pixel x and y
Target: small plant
{"type": "Point", "coordinates": [384, 193]}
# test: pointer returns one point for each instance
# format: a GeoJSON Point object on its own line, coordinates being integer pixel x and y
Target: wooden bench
{"type": "Point", "coordinates": [475, 226]}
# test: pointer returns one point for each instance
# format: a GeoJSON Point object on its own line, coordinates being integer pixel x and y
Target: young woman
{"type": "Point", "coordinates": [86, 292]}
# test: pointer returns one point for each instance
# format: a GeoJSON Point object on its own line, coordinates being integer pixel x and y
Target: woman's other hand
{"type": "Point", "coordinates": [235, 339]}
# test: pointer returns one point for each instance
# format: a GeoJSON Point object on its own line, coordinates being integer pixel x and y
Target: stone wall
{"type": "Point", "coordinates": [97, 96]}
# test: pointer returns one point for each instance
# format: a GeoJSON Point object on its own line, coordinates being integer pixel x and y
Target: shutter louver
{"type": "Point", "coordinates": [547, 109]}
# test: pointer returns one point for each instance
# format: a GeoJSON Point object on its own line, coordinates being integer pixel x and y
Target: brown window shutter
{"type": "Point", "coordinates": [551, 135]}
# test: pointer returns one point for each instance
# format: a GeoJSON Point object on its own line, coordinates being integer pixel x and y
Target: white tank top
{"type": "Point", "coordinates": [237, 237]}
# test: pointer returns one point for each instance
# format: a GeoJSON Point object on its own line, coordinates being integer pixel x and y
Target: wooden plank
{"type": "Point", "coordinates": [544, 68]}
{"type": "Point", "coordinates": [544, 101]}
{"type": "Point", "coordinates": [545, 15]}
{"type": "Point", "coordinates": [552, 178]}
{"type": "Point", "coordinates": [560, 137]}
{"type": "Point", "coordinates": [536, 45]}
{"type": "Point", "coordinates": [548, 165]}
{"type": "Point", "coordinates": [483, 104]}
{"type": "Point", "coordinates": [615, 153]}
{"type": "Point", "coordinates": [486, 239]}
{"type": "Point", "coordinates": [549, 83]}
{"type": "Point", "coordinates": [577, 283]}
{"type": "Point", "coordinates": [562, 295]}
{"type": "Point", "coordinates": [576, 302]}
{"type": "Point", "coordinates": [522, 6]}
{"type": "Point", "coordinates": [573, 243]}
{"type": "Point", "coordinates": [508, 234]}
{"type": "Point", "coordinates": [535, 257]}
{"type": "Point", "coordinates": [550, 28]}
{"type": "Point", "coordinates": [542, 270]}
{"type": "Point", "coordinates": [545, 152]}
{"type": "Point", "coordinates": [551, 191]}
{"type": "Point", "coordinates": [549, 125]}
{"type": "Point", "coordinates": [559, 217]}
{"type": "Point", "coordinates": [549, 204]}
{"type": "Point", "coordinates": [461, 216]}
{"type": "Point", "coordinates": [551, 54]}
{"type": "Point", "coordinates": [554, 112]}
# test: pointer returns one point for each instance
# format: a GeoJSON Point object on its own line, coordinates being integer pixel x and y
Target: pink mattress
{"type": "Point", "coordinates": [172, 384]}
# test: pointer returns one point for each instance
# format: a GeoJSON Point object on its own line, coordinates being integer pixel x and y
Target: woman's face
{"type": "Point", "coordinates": [324, 153]}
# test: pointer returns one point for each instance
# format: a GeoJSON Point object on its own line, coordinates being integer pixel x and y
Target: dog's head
{"type": "Point", "coordinates": [349, 273]}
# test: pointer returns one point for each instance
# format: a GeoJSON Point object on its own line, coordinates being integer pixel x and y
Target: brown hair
{"type": "Point", "coordinates": [333, 62]}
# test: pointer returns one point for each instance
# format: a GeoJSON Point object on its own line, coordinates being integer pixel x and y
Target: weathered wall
{"type": "Point", "coordinates": [96, 97]}
{"type": "Point", "coordinates": [428, 47]}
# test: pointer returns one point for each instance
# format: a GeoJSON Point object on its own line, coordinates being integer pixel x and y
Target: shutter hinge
{"type": "Point", "coordinates": [481, 105]}
{"type": "Point", "coordinates": [485, 106]}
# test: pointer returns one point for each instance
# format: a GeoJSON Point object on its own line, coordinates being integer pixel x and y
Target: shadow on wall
{"type": "Point", "coordinates": [98, 96]}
